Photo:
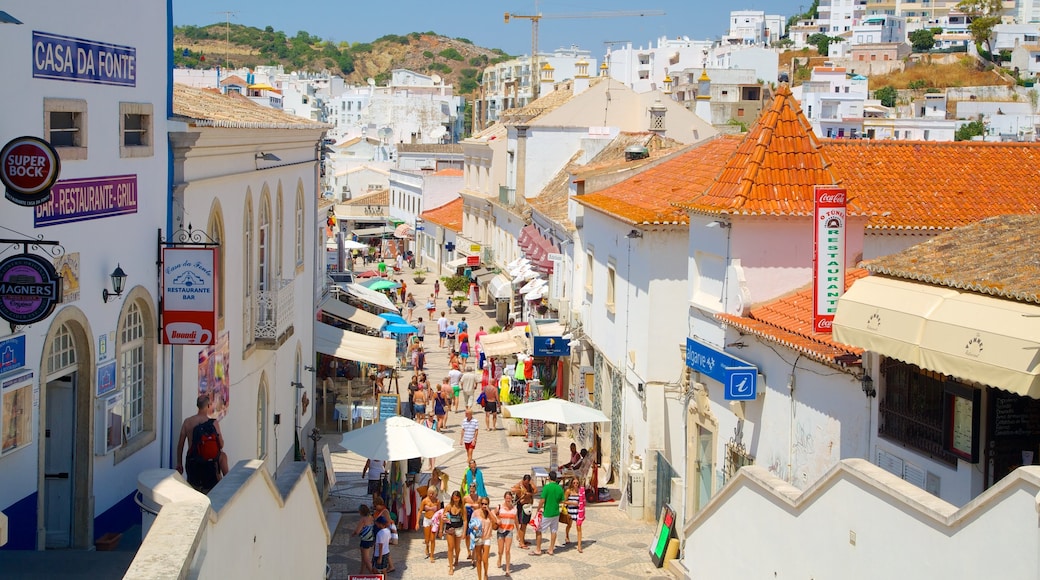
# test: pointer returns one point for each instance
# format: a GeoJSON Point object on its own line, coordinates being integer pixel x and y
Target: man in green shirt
{"type": "Point", "coordinates": [551, 498]}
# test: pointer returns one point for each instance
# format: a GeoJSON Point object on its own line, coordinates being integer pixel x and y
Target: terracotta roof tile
{"type": "Point", "coordinates": [206, 108]}
{"type": "Point", "coordinates": [379, 197]}
{"type": "Point", "coordinates": [998, 256]}
{"type": "Point", "coordinates": [933, 185]}
{"type": "Point", "coordinates": [448, 216]}
{"type": "Point", "coordinates": [788, 321]}
{"type": "Point", "coordinates": [450, 172]}
{"type": "Point", "coordinates": [651, 196]}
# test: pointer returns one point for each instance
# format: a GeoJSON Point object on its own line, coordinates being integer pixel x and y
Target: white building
{"type": "Point", "coordinates": [85, 398]}
{"type": "Point", "coordinates": [838, 16]}
{"type": "Point", "coordinates": [833, 102]}
{"type": "Point", "coordinates": [878, 30]}
{"type": "Point", "coordinates": [644, 69]}
{"type": "Point", "coordinates": [754, 27]}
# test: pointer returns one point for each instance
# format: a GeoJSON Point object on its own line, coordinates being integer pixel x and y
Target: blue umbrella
{"type": "Point", "coordinates": [401, 328]}
{"type": "Point", "coordinates": [393, 318]}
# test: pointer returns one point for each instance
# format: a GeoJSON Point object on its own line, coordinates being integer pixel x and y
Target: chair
{"type": "Point", "coordinates": [581, 473]}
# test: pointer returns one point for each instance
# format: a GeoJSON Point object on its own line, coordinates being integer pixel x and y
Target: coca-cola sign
{"type": "Point", "coordinates": [828, 254]}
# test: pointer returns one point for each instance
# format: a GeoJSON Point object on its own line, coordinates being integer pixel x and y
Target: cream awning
{"type": "Point", "coordinates": [992, 341]}
{"type": "Point", "coordinates": [344, 311]}
{"type": "Point", "coordinates": [500, 288]}
{"type": "Point", "coordinates": [887, 316]}
{"type": "Point", "coordinates": [504, 343]}
{"type": "Point", "coordinates": [371, 296]}
{"type": "Point", "coordinates": [456, 263]}
{"type": "Point", "coordinates": [353, 346]}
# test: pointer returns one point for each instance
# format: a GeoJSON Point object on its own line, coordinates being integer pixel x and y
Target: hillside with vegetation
{"type": "Point", "coordinates": [457, 60]}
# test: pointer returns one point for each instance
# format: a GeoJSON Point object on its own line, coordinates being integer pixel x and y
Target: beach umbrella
{"type": "Point", "coordinates": [396, 439]}
{"type": "Point", "coordinates": [393, 318]}
{"type": "Point", "coordinates": [555, 410]}
{"type": "Point", "coordinates": [532, 285]}
{"type": "Point", "coordinates": [400, 328]}
{"type": "Point", "coordinates": [352, 245]}
{"type": "Point", "coordinates": [383, 285]}
{"type": "Point", "coordinates": [367, 274]}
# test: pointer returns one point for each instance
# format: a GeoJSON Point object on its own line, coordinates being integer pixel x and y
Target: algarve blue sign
{"type": "Point", "coordinates": [551, 346]}
{"type": "Point", "coordinates": [740, 378]}
{"type": "Point", "coordinates": [65, 58]}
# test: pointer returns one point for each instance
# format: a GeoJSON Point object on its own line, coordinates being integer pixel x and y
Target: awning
{"type": "Point", "coordinates": [988, 340]}
{"type": "Point", "coordinates": [369, 232]}
{"type": "Point", "coordinates": [333, 307]}
{"type": "Point", "coordinates": [485, 276]}
{"type": "Point", "coordinates": [500, 288]}
{"type": "Point", "coordinates": [887, 316]}
{"type": "Point", "coordinates": [353, 346]}
{"type": "Point", "coordinates": [536, 249]}
{"type": "Point", "coordinates": [371, 296]}
{"type": "Point", "coordinates": [504, 343]}
{"type": "Point", "coordinates": [456, 263]}
{"type": "Point", "coordinates": [403, 231]}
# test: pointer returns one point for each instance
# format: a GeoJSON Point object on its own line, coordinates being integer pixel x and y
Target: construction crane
{"type": "Point", "coordinates": [535, 18]}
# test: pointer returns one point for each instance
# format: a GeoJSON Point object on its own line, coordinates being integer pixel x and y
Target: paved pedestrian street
{"type": "Point", "coordinates": [614, 545]}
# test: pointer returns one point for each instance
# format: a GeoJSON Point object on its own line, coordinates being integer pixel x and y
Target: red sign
{"type": "Point", "coordinates": [29, 166]}
{"type": "Point", "coordinates": [365, 577]}
{"type": "Point", "coordinates": [189, 289]}
{"type": "Point", "coordinates": [828, 254]}
{"type": "Point", "coordinates": [472, 260]}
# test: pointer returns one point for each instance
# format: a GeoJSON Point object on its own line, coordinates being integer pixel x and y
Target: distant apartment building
{"type": "Point", "coordinates": [644, 69]}
{"type": "Point", "coordinates": [839, 16]}
{"type": "Point", "coordinates": [832, 100]}
{"type": "Point", "coordinates": [736, 94]}
{"type": "Point", "coordinates": [508, 85]}
{"type": "Point", "coordinates": [754, 27]}
{"type": "Point", "coordinates": [878, 30]}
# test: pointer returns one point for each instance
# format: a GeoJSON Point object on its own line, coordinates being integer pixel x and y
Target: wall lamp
{"type": "Point", "coordinates": [868, 385]}
{"type": "Point", "coordinates": [634, 234]}
{"type": "Point", "coordinates": [265, 157]}
{"type": "Point", "coordinates": [718, 224]}
{"type": "Point", "coordinates": [118, 281]}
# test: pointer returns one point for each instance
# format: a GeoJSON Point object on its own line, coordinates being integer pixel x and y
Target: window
{"type": "Point", "coordinates": [65, 124]}
{"type": "Point", "coordinates": [611, 278]}
{"type": "Point", "coordinates": [912, 410]}
{"type": "Point", "coordinates": [131, 367]}
{"type": "Point", "coordinates": [588, 274]}
{"type": "Point", "coordinates": [247, 272]}
{"type": "Point", "coordinates": [299, 229]}
{"type": "Point", "coordinates": [63, 351]}
{"type": "Point", "coordinates": [278, 233]}
{"type": "Point", "coordinates": [135, 130]}
{"type": "Point", "coordinates": [261, 420]}
{"type": "Point", "coordinates": [216, 232]}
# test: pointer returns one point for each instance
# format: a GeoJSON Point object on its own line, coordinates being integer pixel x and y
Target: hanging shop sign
{"type": "Point", "coordinates": [189, 284]}
{"type": "Point", "coordinates": [740, 378]}
{"type": "Point", "coordinates": [551, 346]}
{"type": "Point", "coordinates": [30, 288]}
{"type": "Point", "coordinates": [29, 166]}
{"type": "Point", "coordinates": [828, 254]}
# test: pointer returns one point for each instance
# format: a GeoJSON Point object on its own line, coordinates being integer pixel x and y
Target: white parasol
{"type": "Point", "coordinates": [395, 439]}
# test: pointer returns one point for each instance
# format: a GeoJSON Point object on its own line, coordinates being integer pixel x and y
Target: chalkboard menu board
{"type": "Point", "coordinates": [1015, 417]}
{"type": "Point", "coordinates": [388, 406]}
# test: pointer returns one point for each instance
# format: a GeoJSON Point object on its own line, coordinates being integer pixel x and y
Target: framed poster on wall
{"type": "Point", "coordinates": [16, 406]}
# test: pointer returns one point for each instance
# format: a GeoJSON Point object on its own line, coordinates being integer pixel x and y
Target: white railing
{"type": "Point", "coordinates": [275, 311]}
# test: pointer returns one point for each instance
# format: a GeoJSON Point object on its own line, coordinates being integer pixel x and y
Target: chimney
{"type": "Point", "coordinates": [546, 85]}
{"type": "Point", "coordinates": [657, 113]}
{"type": "Point", "coordinates": [521, 163]}
{"type": "Point", "coordinates": [581, 76]}
{"type": "Point", "coordinates": [703, 107]}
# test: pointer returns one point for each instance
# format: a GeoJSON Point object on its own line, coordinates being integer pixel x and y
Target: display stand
{"type": "Point", "coordinates": [535, 428]}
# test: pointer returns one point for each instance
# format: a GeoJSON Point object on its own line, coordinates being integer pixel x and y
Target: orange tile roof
{"type": "Point", "coordinates": [788, 321]}
{"type": "Point", "coordinates": [936, 185]}
{"type": "Point", "coordinates": [450, 172]}
{"type": "Point", "coordinates": [379, 197]}
{"type": "Point", "coordinates": [651, 196]}
{"type": "Point", "coordinates": [774, 169]}
{"type": "Point", "coordinates": [448, 216]}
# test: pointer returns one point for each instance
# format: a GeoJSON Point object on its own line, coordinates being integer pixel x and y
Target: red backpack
{"type": "Point", "coordinates": [205, 441]}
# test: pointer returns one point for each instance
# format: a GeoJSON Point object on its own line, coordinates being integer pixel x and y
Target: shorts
{"type": "Point", "coordinates": [442, 334]}
{"type": "Point", "coordinates": [421, 337]}
{"type": "Point", "coordinates": [502, 534]}
{"type": "Point", "coordinates": [456, 390]}
{"type": "Point", "coordinates": [464, 355]}
{"type": "Point", "coordinates": [380, 562]}
{"type": "Point", "coordinates": [457, 532]}
{"type": "Point", "coordinates": [427, 522]}
{"type": "Point", "coordinates": [367, 544]}
{"type": "Point", "coordinates": [548, 524]}
{"type": "Point", "coordinates": [374, 486]}
{"type": "Point", "coordinates": [484, 542]}
{"type": "Point", "coordinates": [419, 409]}
{"type": "Point", "coordinates": [467, 397]}
{"type": "Point", "coordinates": [523, 517]}
{"type": "Point", "coordinates": [470, 445]}
{"type": "Point", "coordinates": [491, 406]}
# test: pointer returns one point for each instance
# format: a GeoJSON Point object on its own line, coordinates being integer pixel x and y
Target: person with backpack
{"type": "Point", "coordinates": [206, 463]}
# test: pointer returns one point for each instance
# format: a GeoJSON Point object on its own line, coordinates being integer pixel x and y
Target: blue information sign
{"type": "Point", "coordinates": [551, 346]}
{"type": "Point", "coordinates": [65, 58]}
{"type": "Point", "coordinates": [12, 353]}
{"type": "Point", "coordinates": [739, 377]}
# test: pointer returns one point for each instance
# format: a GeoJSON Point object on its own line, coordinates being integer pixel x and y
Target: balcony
{"type": "Point", "coordinates": [274, 312]}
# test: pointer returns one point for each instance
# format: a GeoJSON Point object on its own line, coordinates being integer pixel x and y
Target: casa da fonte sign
{"type": "Point", "coordinates": [30, 288]}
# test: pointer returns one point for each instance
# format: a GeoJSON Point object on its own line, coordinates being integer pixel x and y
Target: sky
{"type": "Point", "coordinates": [481, 21]}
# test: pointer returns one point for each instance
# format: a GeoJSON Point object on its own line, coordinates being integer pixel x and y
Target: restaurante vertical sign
{"type": "Point", "coordinates": [828, 254]}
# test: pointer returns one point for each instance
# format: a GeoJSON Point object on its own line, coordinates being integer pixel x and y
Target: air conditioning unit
{"type": "Point", "coordinates": [564, 308]}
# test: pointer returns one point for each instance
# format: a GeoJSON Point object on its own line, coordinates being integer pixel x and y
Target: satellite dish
{"type": "Point", "coordinates": [371, 82]}
{"type": "Point", "coordinates": [385, 133]}
{"type": "Point", "coordinates": [436, 78]}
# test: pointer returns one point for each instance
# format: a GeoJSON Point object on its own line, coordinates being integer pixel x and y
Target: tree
{"type": "Point", "coordinates": [969, 130]}
{"type": "Point", "coordinates": [822, 42]}
{"type": "Point", "coordinates": [922, 40]}
{"type": "Point", "coordinates": [984, 15]}
{"type": "Point", "coordinates": [887, 95]}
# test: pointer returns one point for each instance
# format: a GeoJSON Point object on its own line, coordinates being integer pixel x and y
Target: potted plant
{"type": "Point", "coordinates": [457, 286]}
{"type": "Point", "coordinates": [419, 275]}
{"type": "Point", "coordinates": [458, 304]}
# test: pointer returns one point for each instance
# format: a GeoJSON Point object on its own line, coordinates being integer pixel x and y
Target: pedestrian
{"type": "Point", "coordinates": [431, 306]}
{"type": "Point", "coordinates": [468, 387]}
{"type": "Point", "coordinates": [506, 515]}
{"type": "Point", "coordinates": [483, 543]}
{"type": "Point", "coordinates": [451, 330]}
{"type": "Point", "coordinates": [419, 400]}
{"type": "Point", "coordinates": [454, 379]}
{"type": "Point", "coordinates": [449, 399]}
{"type": "Point", "coordinates": [454, 362]}
{"type": "Point", "coordinates": [430, 422]}
{"type": "Point", "coordinates": [379, 510]}
{"type": "Point", "coordinates": [442, 328]}
{"type": "Point", "coordinates": [429, 507]}
{"type": "Point", "coordinates": [470, 431]}
{"type": "Point", "coordinates": [463, 325]}
{"type": "Point", "coordinates": [576, 509]}
{"type": "Point", "coordinates": [400, 262]}
{"type": "Point", "coordinates": [206, 462]}
{"type": "Point", "coordinates": [473, 479]}
{"type": "Point", "coordinates": [448, 302]}
{"type": "Point", "coordinates": [381, 556]}
{"type": "Point", "coordinates": [381, 268]}
{"type": "Point", "coordinates": [463, 346]}
{"type": "Point", "coordinates": [436, 289]}
{"type": "Point", "coordinates": [479, 346]}
{"type": "Point", "coordinates": [409, 306]}
{"type": "Point", "coordinates": [523, 492]}
{"type": "Point", "coordinates": [420, 330]}
{"type": "Point", "coordinates": [453, 527]}
{"type": "Point", "coordinates": [366, 531]}
{"type": "Point", "coordinates": [374, 469]}
{"type": "Point", "coordinates": [549, 508]}
{"type": "Point", "coordinates": [439, 409]}
{"type": "Point", "coordinates": [491, 398]}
